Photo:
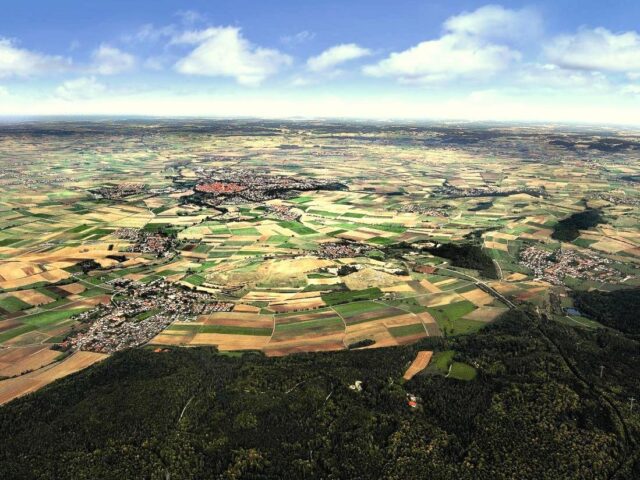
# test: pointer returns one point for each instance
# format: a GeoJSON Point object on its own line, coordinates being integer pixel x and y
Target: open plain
{"type": "Point", "coordinates": [290, 237]}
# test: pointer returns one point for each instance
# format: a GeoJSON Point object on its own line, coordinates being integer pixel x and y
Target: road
{"type": "Point", "coordinates": [482, 285]}
{"type": "Point", "coordinates": [498, 269]}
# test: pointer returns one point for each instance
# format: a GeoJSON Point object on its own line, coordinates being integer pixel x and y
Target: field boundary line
{"type": "Point", "coordinates": [345, 326]}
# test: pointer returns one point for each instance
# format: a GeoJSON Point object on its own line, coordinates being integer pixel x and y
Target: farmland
{"type": "Point", "coordinates": [116, 235]}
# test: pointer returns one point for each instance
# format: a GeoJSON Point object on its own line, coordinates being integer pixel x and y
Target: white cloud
{"type": "Point", "coordinates": [596, 49]}
{"type": "Point", "coordinates": [496, 22]}
{"type": "Point", "coordinates": [631, 90]}
{"type": "Point", "coordinates": [448, 57]}
{"type": "Point", "coordinates": [3, 91]}
{"type": "Point", "coordinates": [300, 37]}
{"type": "Point", "coordinates": [224, 52]}
{"type": "Point", "coordinates": [337, 55]}
{"type": "Point", "coordinates": [80, 88]}
{"type": "Point", "coordinates": [326, 65]}
{"type": "Point", "coordinates": [150, 33]}
{"type": "Point", "coordinates": [488, 95]}
{"type": "Point", "coordinates": [189, 17]}
{"type": "Point", "coordinates": [554, 77]}
{"type": "Point", "coordinates": [300, 81]}
{"type": "Point", "coordinates": [108, 60]}
{"type": "Point", "coordinates": [15, 61]}
{"type": "Point", "coordinates": [156, 63]}
{"type": "Point", "coordinates": [466, 49]}
{"type": "Point", "coordinates": [496, 105]}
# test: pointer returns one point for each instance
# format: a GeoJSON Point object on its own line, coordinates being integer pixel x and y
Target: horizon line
{"type": "Point", "coordinates": [95, 117]}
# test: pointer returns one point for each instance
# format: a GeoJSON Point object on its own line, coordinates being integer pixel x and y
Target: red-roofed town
{"type": "Point", "coordinates": [220, 187]}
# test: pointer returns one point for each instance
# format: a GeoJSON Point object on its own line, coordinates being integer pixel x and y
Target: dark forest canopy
{"type": "Point", "coordinates": [568, 229]}
{"type": "Point", "coordinates": [619, 309]}
{"type": "Point", "coordinates": [466, 256]}
{"type": "Point", "coordinates": [537, 409]}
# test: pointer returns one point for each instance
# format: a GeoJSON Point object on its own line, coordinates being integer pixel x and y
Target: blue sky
{"type": "Point", "coordinates": [546, 61]}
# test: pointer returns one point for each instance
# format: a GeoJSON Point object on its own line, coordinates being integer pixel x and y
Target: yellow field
{"type": "Point", "coordinates": [16, 361]}
{"type": "Point", "coordinates": [16, 387]}
{"type": "Point", "coordinates": [419, 363]}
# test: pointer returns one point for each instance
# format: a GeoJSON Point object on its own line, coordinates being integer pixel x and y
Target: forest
{"type": "Point", "coordinates": [539, 408]}
{"type": "Point", "coordinates": [617, 309]}
{"type": "Point", "coordinates": [466, 255]}
{"type": "Point", "coordinates": [568, 229]}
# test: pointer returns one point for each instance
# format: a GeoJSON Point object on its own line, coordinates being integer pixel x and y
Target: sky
{"type": "Point", "coordinates": [546, 61]}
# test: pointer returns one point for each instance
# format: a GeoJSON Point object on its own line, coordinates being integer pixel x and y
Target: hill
{"type": "Point", "coordinates": [536, 409]}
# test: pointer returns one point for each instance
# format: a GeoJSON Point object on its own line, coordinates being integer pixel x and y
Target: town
{"type": "Point", "coordinates": [553, 267]}
{"type": "Point", "coordinates": [137, 313]}
{"type": "Point", "coordinates": [119, 191]}
{"type": "Point", "coordinates": [238, 186]}
{"type": "Point", "coordinates": [333, 250]}
{"type": "Point", "coordinates": [449, 191]}
{"type": "Point", "coordinates": [282, 212]}
{"type": "Point", "coordinates": [147, 242]}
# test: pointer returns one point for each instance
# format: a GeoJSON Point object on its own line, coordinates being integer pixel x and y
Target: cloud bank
{"type": "Point", "coordinates": [224, 52]}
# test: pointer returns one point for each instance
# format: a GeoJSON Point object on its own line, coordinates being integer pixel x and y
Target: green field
{"type": "Point", "coordinates": [248, 231]}
{"type": "Point", "coordinates": [336, 298]}
{"type": "Point", "coordinates": [408, 304]}
{"type": "Point", "coordinates": [48, 318]}
{"type": "Point", "coordinates": [310, 325]}
{"type": "Point", "coordinates": [228, 330]}
{"type": "Point", "coordinates": [297, 227]}
{"type": "Point", "coordinates": [462, 371]}
{"type": "Point", "coordinates": [441, 361]}
{"type": "Point", "coordinates": [13, 304]}
{"type": "Point", "coordinates": [14, 332]}
{"type": "Point", "coordinates": [407, 330]}
{"type": "Point", "coordinates": [450, 321]}
{"type": "Point", "coordinates": [196, 280]}
{"type": "Point", "coordinates": [351, 309]}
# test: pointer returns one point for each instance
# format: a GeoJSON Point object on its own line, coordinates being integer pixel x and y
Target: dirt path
{"type": "Point", "coordinates": [419, 363]}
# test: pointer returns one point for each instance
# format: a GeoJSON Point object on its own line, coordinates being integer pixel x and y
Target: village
{"type": "Point", "coordinates": [119, 191]}
{"type": "Point", "coordinates": [333, 250]}
{"type": "Point", "coordinates": [449, 191]}
{"type": "Point", "coordinates": [282, 212]}
{"type": "Point", "coordinates": [617, 199]}
{"type": "Point", "coordinates": [147, 242]}
{"type": "Point", "coordinates": [553, 267]}
{"type": "Point", "coordinates": [439, 212]}
{"type": "Point", "coordinates": [143, 311]}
